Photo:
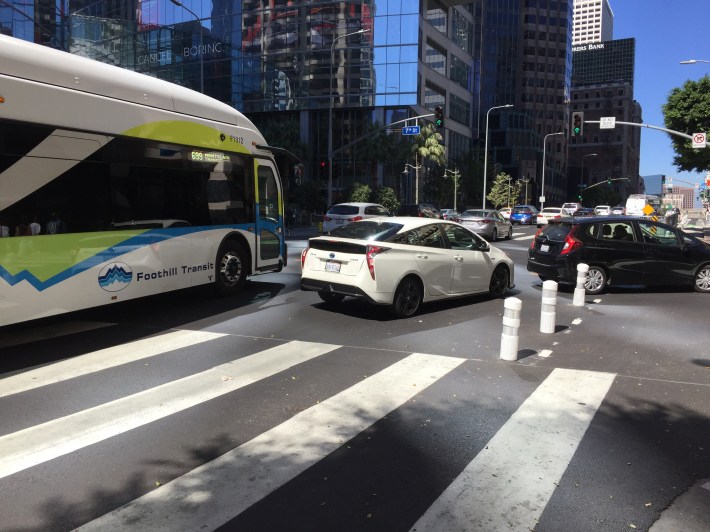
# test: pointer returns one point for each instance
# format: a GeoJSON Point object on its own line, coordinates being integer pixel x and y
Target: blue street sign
{"type": "Point", "coordinates": [410, 130]}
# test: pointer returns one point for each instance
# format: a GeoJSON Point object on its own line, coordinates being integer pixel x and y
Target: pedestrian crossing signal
{"type": "Point", "coordinates": [577, 123]}
{"type": "Point", "coordinates": [439, 117]}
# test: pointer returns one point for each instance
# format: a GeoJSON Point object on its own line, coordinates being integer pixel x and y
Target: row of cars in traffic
{"type": "Point", "coordinates": [404, 261]}
{"type": "Point", "coordinates": [529, 214]}
{"type": "Point", "coordinates": [489, 223]}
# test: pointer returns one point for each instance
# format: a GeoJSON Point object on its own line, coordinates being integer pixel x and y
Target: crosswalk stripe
{"type": "Point", "coordinates": [29, 447]}
{"type": "Point", "coordinates": [218, 491]}
{"type": "Point", "coordinates": [103, 359]}
{"type": "Point", "coordinates": [509, 483]}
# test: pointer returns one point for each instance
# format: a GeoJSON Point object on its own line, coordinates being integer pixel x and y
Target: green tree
{"type": "Point", "coordinates": [360, 192]}
{"type": "Point", "coordinates": [372, 149]}
{"type": "Point", "coordinates": [427, 146]}
{"type": "Point", "coordinates": [505, 191]}
{"type": "Point", "coordinates": [308, 196]}
{"type": "Point", "coordinates": [283, 132]}
{"type": "Point", "coordinates": [429, 154]}
{"type": "Point", "coordinates": [386, 197]}
{"type": "Point", "coordinates": [688, 111]}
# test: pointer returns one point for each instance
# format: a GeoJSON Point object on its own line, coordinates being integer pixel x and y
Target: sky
{"type": "Point", "coordinates": [666, 32]}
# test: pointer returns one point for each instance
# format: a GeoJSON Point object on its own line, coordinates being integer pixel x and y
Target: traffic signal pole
{"type": "Point", "coordinates": [605, 182]}
{"type": "Point", "coordinates": [361, 137]}
{"type": "Point", "coordinates": [672, 132]}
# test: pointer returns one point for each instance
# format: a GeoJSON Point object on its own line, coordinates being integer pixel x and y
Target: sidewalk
{"type": "Point", "coordinates": [303, 232]}
{"type": "Point", "coordinates": [690, 512]}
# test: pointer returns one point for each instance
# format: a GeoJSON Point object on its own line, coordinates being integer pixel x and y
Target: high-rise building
{"type": "Point", "coordinates": [354, 64]}
{"type": "Point", "coordinates": [536, 83]}
{"type": "Point", "coordinates": [603, 86]}
{"type": "Point", "coordinates": [593, 21]}
{"type": "Point", "coordinates": [360, 63]}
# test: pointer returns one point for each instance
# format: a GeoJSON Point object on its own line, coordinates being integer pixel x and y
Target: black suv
{"type": "Point", "coordinates": [422, 210]}
{"type": "Point", "coordinates": [620, 251]}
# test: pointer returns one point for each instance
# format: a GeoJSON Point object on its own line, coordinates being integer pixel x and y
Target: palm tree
{"type": "Point", "coordinates": [427, 148]}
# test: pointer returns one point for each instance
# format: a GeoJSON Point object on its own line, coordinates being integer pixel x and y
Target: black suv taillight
{"type": "Point", "coordinates": [571, 243]}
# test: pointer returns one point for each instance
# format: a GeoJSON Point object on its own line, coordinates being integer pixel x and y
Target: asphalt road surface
{"type": "Point", "coordinates": [273, 411]}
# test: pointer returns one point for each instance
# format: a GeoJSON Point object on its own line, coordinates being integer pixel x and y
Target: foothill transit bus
{"type": "Point", "coordinates": [115, 185]}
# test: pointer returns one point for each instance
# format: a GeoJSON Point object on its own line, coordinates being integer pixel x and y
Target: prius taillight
{"type": "Point", "coordinates": [370, 254]}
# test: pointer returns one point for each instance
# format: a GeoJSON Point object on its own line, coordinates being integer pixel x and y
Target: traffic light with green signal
{"type": "Point", "coordinates": [439, 117]}
{"type": "Point", "coordinates": [577, 123]}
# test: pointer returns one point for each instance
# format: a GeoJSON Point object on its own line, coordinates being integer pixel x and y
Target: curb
{"type": "Point", "coordinates": [690, 512]}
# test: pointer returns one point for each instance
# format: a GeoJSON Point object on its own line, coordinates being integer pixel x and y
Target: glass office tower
{"type": "Point", "coordinates": [380, 60]}
{"type": "Point", "coordinates": [525, 47]}
{"type": "Point", "coordinates": [377, 61]}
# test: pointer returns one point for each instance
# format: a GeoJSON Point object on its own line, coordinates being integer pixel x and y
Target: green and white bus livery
{"type": "Point", "coordinates": [115, 185]}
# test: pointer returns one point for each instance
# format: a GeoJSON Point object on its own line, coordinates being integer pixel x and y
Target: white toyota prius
{"type": "Point", "coordinates": [403, 262]}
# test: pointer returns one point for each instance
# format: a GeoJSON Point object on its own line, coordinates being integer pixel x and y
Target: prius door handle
{"type": "Point", "coordinates": [422, 256]}
{"type": "Point", "coordinates": [458, 258]}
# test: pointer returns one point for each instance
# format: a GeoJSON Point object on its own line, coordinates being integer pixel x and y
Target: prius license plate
{"type": "Point", "coordinates": [544, 248]}
{"type": "Point", "coordinates": [332, 266]}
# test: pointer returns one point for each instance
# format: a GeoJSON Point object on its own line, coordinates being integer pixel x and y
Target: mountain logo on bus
{"type": "Point", "coordinates": [115, 276]}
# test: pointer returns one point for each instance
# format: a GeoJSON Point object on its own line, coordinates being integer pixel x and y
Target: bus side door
{"type": "Point", "coordinates": [269, 223]}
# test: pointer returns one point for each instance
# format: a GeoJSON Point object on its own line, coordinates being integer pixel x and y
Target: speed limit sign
{"type": "Point", "coordinates": [699, 140]}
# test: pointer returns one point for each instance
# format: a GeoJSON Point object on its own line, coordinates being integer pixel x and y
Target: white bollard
{"type": "Point", "coordinates": [549, 307]}
{"type": "Point", "coordinates": [579, 292]}
{"type": "Point", "coordinates": [511, 324]}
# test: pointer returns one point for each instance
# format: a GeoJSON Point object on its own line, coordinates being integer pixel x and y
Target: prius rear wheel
{"type": "Point", "coordinates": [407, 298]}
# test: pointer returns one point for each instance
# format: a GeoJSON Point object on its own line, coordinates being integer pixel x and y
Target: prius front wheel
{"type": "Point", "coordinates": [499, 282]}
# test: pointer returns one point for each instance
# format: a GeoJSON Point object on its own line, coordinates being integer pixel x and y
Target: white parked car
{"type": "Point", "coordinates": [571, 208]}
{"type": "Point", "coordinates": [403, 262]}
{"type": "Point", "coordinates": [602, 210]}
{"type": "Point", "coordinates": [549, 213]}
{"type": "Point", "coordinates": [344, 213]}
{"type": "Point", "coordinates": [505, 212]}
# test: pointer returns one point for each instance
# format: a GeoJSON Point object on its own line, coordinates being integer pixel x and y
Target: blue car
{"type": "Point", "coordinates": [524, 215]}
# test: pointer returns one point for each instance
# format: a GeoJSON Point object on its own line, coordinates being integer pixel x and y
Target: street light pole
{"type": "Point", "coordinates": [485, 154]}
{"type": "Point", "coordinates": [544, 146]}
{"type": "Point", "coordinates": [330, 114]}
{"type": "Point", "coordinates": [581, 179]}
{"type": "Point", "coordinates": [416, 168]}
{"type": "Point", "coordinates": [508, 190]}
{"type": "Point", "coordinates": [200, 49]}
{"type": "Point", "coordinates": [455, 174]}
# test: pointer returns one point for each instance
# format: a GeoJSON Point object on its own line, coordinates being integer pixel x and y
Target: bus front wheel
{"type": "Point", "coordinates": [231, 268]}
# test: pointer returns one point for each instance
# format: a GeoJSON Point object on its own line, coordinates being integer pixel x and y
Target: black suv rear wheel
{"type": "Point", "coordinates": [596, 280]}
